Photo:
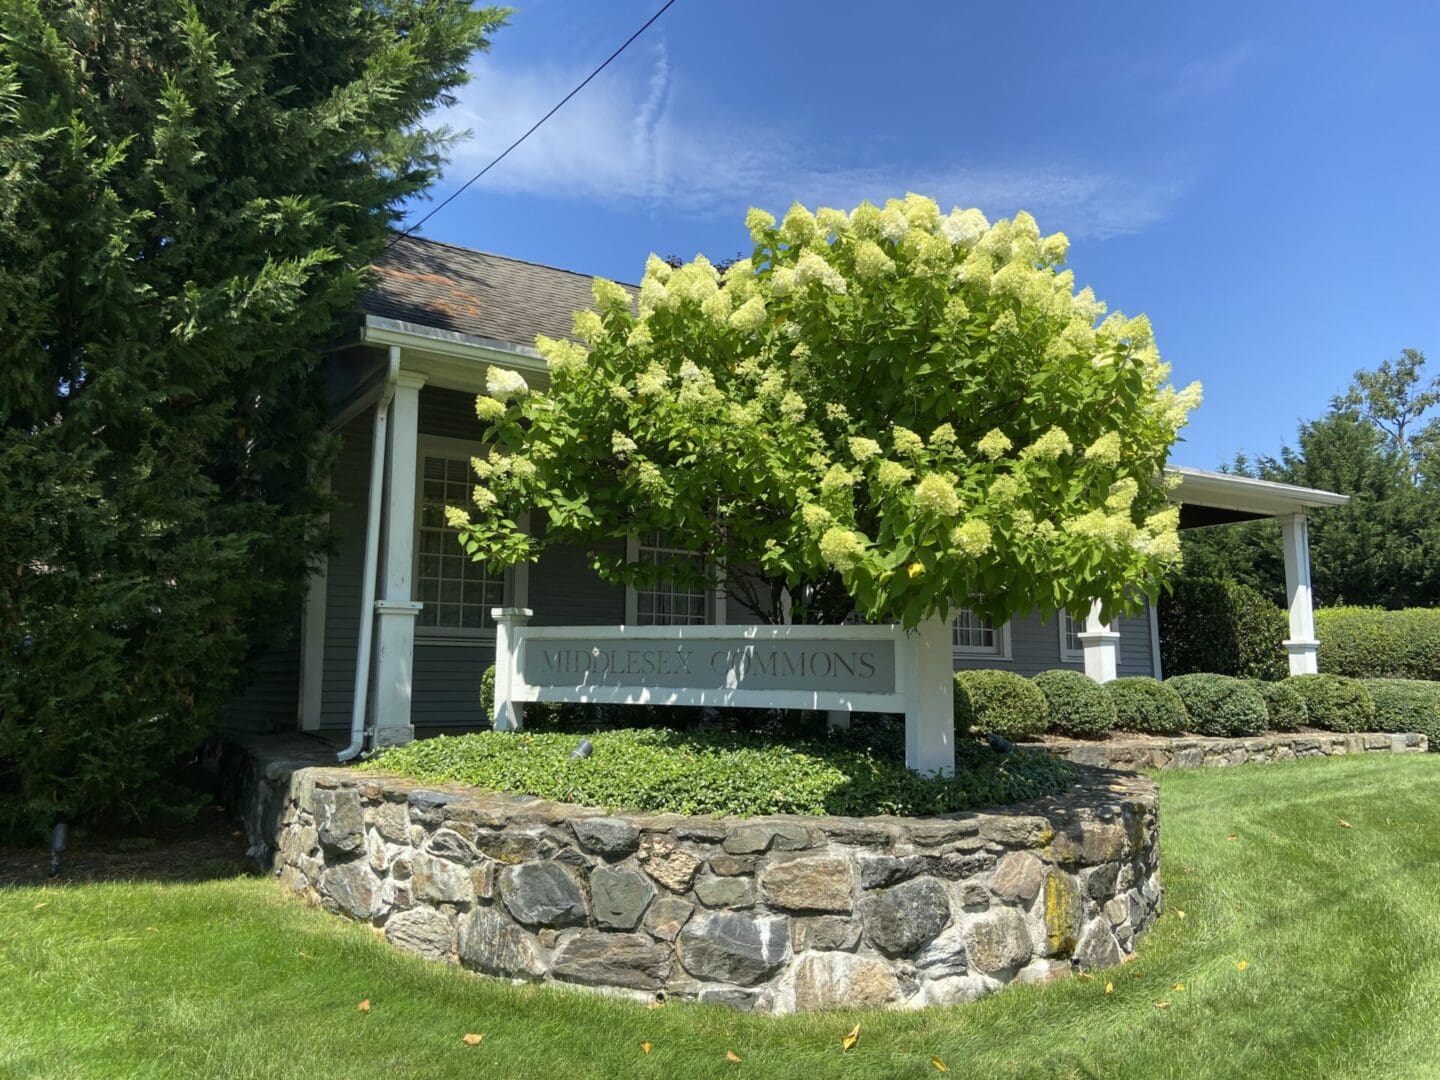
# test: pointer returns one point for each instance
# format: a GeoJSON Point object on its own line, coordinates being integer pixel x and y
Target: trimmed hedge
{"type": "Point", "coordinates": [1077, 705]}
{"type": "Point", "coordinates": [1370, 643]}
{"type": "Point", "coordinates": [1214, 626]}
{"type": "Point", "coordinates": [1000, 703]}
{"type": "Point", "coordinates": [1407, 705]}
{"type": "Point", "coordinates": [1146, 705]}
{"type": "Point", "coordinates": [704, 772]}
{"type": "Point", "coordinates": [1221, 705]}
{"type": "Point", "coordinates": [1286, 707]}
{"type": "Point", "coordinates": [1335, 702]}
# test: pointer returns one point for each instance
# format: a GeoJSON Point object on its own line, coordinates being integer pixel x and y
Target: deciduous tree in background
{"type": "Point", "coordinates": [191, 191]}
{"type": "Point", "coordinates": [893, 410]}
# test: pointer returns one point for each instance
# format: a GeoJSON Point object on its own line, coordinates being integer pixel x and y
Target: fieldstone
{"type": "Point", "coordinates": [600, 959]}
{"type": "Point", "coordinates": [424, 930]}
{"type": "Point", "coordinates": [758, 839]}
{"type": "Point", "coordinates": [731, 997]}
{"type": "Point", "coordinates": [809, 883]}
{"type": "Point", "coordinates": [878, 871]}
{"type": "Point", "coordinates": [956, 865]}
{"type": "Point", "coordinates": [827, 932]}
{"type": "Point", "coordinates": [610, 837]}
{"type": "Point", "coordinates": [946, 956]}
{"type": "Point", "coordinates": [667, 915]}
{"type": "Point", "coordinates": [392, 822]}
{"type": "Point", "coordinates": [510, 846]}
{"type": "Point", "coordinates": [351, 888]}
{"type": "Point", "coordinates": [943, 831]}
{"type": "Point", "coordinates": [1018, 877]}
{"type": "Point", "coordinates": [998, 941]}
{"type": "Point", "coordinates": [542, 894]}
{"type": "Point", "coordinates": [1016, 830]}
{"type": "Point", "coordinates": [440, 881]}
{"type": "Point", "coordinates": [834, 980]}
{"type": "Point", "coordinates": [1061, 913]}
{"type": "Point", "coordinates": [618, 897]}
{"type": "Point", "coordinates": [726, 892]}
{"type": "Point", "coordinates": [572, 858]}
{"type": "Point", "coordinates": [732, 865]}
{"type": "Point", "coordinates": [449, 844]}
{"type": "Point", "coordinates": [1042, 971]}
{"type": "Point", "coordinates": [902, 919]}
{"type": "Point", "coordinates": [1117, 910]}
{"type": "Point", "coordinates": [341, 819]}
{"type": "Point", "coordinates": [974, 896]}
{"type": "Point", "coordinates": [1097, 842]}
{"type": "Point", "coordinates": [493, 945]}
{"type": "Point", "coordinates": [726, 947]}
{"type": "Point", "coordinates": [671, 866]}
{"type": "Point", "coordinates": [1098, 882]}
{"type": "Point", "coordinates": [1098, 947]}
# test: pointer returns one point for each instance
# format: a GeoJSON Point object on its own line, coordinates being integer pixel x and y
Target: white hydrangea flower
{"type": "Point", "coordinates": [815, 517]}
{"type": "Point", "coordinates": [973, 538]}
{"type": "Point", "coordinates": [893, 223]}
{"type": "Point", "coordinates": [964, 227]}
{"type": "Point", "coordinates": [863, 449]}
{"type": "Point", "coordinates": [483, 497]}
{"type": "Point", "coordinates": [488, 409]}
{"type": "Point", "coordinates": [457, 518]}
{"type": "Point", "coordinates": [935, 496]}
{"type": "Point", "coordinates": [871, 261]}
{"type": "Point", "coordinates": [994, 444]}
{"type": "Point", "coordinates": [1105, 451]}
{"type": "Point", "coordinates": [652, 381]}
{"type": "Point", "coordinates": [621, 444]}
{"type": "Point", "coordinates": [1051, 446]}
{"type": "Point", "coordinates": [907, 443]}
{"type": "Point", "coordinates": [587, 325]}
{"type": "Point", "coordinates": [842, 548]}
{"type": "Point", "coordinates": [750, 316]}
{"type": "Point", "coordinates": [504, 383]}
{"type": "Point", "coordinates": [658, 268]}
{"type": "Point", "coordinates": [758, 222]}
{"type": "Point", "coordinates": [811, 266]}
{"type": "Point", "coordinates": [798, 228]}
{"type": "Point", "coordinates": [609, 296]}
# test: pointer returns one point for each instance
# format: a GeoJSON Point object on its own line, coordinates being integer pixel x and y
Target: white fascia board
{"type": "Point", "coordinates": [1226, 491]}
{"type": "Point", "coordinates": [447, 358]}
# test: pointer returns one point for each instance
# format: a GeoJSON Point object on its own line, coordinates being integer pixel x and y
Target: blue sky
{"type": "Point", "coordinates": [1261, 179]}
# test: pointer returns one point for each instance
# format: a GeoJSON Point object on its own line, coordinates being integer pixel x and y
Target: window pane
{"type": "Point", "coordinates": [456, 590]}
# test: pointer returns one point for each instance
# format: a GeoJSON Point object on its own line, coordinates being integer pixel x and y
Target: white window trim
{"type": "Point", "coordinates": [999, 651]}
{"type": "Point", "coordinates": [1067, 654]}
{"type": "Point", "coordinates": [714, 598]}
{"type": "Point", "coordinates": [446, 446]}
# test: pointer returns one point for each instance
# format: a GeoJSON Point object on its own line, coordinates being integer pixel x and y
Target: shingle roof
{"type": "Point", "coordinates": [473, 292]}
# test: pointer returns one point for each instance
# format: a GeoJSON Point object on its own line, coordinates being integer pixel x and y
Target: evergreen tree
{"type": "Point", "coordinates": [191, 193]}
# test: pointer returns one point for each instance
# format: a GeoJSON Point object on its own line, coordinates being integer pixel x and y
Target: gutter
{"type": "Point", "coordinates": [372, 560]}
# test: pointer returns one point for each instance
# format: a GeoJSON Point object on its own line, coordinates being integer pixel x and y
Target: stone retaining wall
{"type": "Point", "coordinates": [1138, 752]}
{"type": "Point", "coordinates": [779, 913]}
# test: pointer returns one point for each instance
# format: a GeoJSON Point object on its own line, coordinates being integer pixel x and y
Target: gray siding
{"type": "Point", "coordinates": [450, 413]}
{"type": "Point", "coordinates": [1035, 647]}
{"type": "Point", "coordinates": [350, 484]}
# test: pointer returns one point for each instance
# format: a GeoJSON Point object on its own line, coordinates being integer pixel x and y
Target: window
{"type": "Point", "coordinates": [457, 591]}
{"type": "Point", "coordinates": [1071, 647]}
{"type": "Point", "coordinates": [676, 595]}
{"type": "Point", "coordinates": [972, 634]}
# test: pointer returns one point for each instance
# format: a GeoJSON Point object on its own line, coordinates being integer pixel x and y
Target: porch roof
{"type": "Point", "coordinates": [1216, 498]}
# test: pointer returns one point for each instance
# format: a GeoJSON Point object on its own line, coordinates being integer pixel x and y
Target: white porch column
{"type": "Point", "coordinates": [1304, 650]}
{"type": "Point", "coordinates": [395, 612]}
{"type": "Point", "coordinates": [929, 675]}
{"type": "Point", "coordinates": [1102, 647]}
{"type": "Point", "coordinates": [508, 715]}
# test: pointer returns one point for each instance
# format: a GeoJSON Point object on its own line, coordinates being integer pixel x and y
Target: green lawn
{"type": "Point", "coordinates": [1338, 928]}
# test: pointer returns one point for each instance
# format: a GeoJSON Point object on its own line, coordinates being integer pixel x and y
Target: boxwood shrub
{"type": "Point", "coordinates": [1335, 702]}
{"type": "Point", "coordinates": [1221, 705]}
{"type": "Point", "coordinates": [999, 703]}
{"type": "Point", "coordinates": [1211, 625]}
{"type": "Point", "coordinates": [1369, 643]}
{"type": "Point", "coordinates": [707, 772]}
{"type": "Point", "coordinates": [1407, 705]}
{"type": "Point", "coordinates": [1147, 705]}
{"type": "Point", "coordinates": [1077, 706]}
{"type": "Point", "coordinates": [1286, 707]}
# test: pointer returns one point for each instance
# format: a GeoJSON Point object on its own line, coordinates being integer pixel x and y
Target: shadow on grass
{"type": "Point", "coordinates": [207, 848]}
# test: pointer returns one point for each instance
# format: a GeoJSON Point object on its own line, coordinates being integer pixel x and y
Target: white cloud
{"type": "Point", "coordinates": [1206, 76]}
{"type": "Point", "coordinates": [622, 141]}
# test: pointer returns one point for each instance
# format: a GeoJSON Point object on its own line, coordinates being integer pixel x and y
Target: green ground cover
{"type": "Point", "coordinates": [724, 772]}
{"type": "Point", "coordinates": [1337, 926]}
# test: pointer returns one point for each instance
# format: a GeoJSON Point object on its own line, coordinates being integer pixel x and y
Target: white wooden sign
{"type": "Point", "coordinates": [834, 668]}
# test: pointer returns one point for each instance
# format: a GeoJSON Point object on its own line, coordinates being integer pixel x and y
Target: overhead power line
{"type": "Point", "coordinates": [535, 126]}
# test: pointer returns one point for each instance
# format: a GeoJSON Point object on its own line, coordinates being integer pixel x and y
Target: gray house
{"type": "Point", "coordinates": [396, 631]}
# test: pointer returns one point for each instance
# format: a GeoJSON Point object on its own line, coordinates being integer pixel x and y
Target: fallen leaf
{"type": "Point", "coordinates": [1085, 975]}
{"type": "Point", "coordinates": [1109, 987]}
{"type": "Point", "coordinates": [1242, 965]}
{"type": "Point", "coordinates": [364, 1006]}
{"type": "Point", "coordinates": [1162, 1004]}
{"type": "Point", "coordinates": [1180, 914]}
{"type": "Point", "coordinates": [656, 1005]}
{"type": "Point", "coordinates": [938, 1065]}
{"type": "Point", "coordinates": [850, 1038]}
{"type": "Point", "coordinates": [471, 1040]}
{"type": "Point", "coordinates": [1232, 836]}
{"type": "Point", "coordinates": [1178, 987]}
{"type": "Point", "coordinates": [645, 1047]}
{"type": "Point", "coordinates": [731, 1055]}
{"type": "Point", "coordinates": [43, 903]}
{"type": "Point", "coordinates": [1345, 824]}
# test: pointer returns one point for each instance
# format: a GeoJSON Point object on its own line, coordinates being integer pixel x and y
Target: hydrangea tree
{"type": "Point", "coordinates": [892, 411]}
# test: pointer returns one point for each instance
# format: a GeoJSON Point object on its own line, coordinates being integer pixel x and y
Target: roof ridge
{"type": "Point", "coordinates": [506, 258]}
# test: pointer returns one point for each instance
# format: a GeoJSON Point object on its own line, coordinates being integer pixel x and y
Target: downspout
{"type": "Point", "coordinates": [372, 561]}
